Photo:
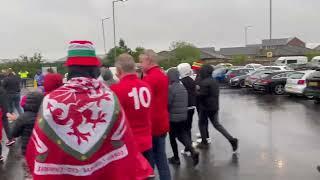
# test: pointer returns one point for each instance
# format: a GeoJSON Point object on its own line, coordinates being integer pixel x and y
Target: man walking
{"type": "Point", "coordinates": [158, 83]}
{"type": "Point", "coordinates": [185, 72]}
{"type": "Point", "coordinates": [135, 98]}
{"type": "Point", "coordinates": [12, 86]}
{"type": "Point", "coordinates": [209, 107]}
{"type": "Point", "coordinates": [23, 75]}
{"type": "Point", "coordinates": [83, 131]}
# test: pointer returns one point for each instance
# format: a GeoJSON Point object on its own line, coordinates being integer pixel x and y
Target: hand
{"type": "Point", "coordinates": [12, 116]}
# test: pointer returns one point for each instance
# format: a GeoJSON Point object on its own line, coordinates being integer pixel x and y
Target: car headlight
{"type": "Point", "coordinates": [235, 79]}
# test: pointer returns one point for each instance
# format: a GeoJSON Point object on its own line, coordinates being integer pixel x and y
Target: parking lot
{"type": "Point", "coordinates": [279, 139]}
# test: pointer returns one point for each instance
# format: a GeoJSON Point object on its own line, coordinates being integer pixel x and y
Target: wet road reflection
{"type": "Point", "coordinates": [279, 140]}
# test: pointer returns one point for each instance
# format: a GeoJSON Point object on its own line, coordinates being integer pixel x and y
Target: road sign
{"type": "Point", "coordinates": [269, 54]}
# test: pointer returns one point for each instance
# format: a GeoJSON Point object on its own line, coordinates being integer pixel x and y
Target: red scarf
{"type": "Point", "coordinates": [83, 134]}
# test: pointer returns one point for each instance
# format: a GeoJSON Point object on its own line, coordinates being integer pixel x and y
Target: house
{"type": "Point", "coordinates": [275, 43]}
{"type": "Point", "coordinates": [317, 48]}
{"type": "Point", "coordinates": [233, 51]}
{"type": "Point", "coordinates": [209, 53]}
{"type": "Point", "coordinates": [278, 47]}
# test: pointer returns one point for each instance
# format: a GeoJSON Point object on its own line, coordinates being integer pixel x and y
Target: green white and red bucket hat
{"type": "Point", "coordinates": [82, 53]}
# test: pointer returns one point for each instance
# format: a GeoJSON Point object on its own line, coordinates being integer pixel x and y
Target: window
{"type": "Point", "coordinates": [279, 76]}
{"type": "Point", "coordinates": [296, 75]}
{"type": "Point", "coordinates": [292, 61]}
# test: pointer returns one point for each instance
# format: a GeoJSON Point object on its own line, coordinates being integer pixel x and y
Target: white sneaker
{"type": "Point", "coordinates": [198, 135]}
{"type": "Point", "coordinates": [186, 153]}
{"type": "Point", "coordinates": [199, 140]}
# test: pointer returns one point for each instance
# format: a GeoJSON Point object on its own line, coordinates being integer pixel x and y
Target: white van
{"type": "Point", "coordinates": [291, 60]}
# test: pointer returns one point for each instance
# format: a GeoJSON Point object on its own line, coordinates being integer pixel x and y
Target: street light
{"type": "Point", "coordinates": [104, 36]}
{"type": "Point", "coordinates": [270, 19]}
{"type": "Point", "coordinates": [114, 26]}
{"type": "Point", "coordinates": [246, 34]}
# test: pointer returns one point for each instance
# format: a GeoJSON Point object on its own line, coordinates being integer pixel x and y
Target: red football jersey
{"type": "Point", "coordinates": [135, 97]}
{"type": "Point", "coordinates": [159, 84]}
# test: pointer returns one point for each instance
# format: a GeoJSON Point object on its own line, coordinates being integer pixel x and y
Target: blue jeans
{"type": "Point", "coordinates": [14, 103]}
{"type": "Point", "coordinates": [160, 157]}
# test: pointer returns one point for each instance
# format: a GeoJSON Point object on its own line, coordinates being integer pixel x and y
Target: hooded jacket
{"type": "Point", "coordinates": [11, 84]}
{"type": "Point", "coordinates": [178, 98]}
{"type": "Point", "coordinates": [185, 72]}
{"type": "Point", "coordinates": [23, 126]}
{"type": "Point", "coordinates": [208, 94]}
{"type": "Point", "coordinates": [52, 81]}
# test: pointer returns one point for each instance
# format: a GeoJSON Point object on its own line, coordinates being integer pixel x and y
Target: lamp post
{"type": "Point", "coordinates": [270, 20]}
{"type": "Point", "coordinates": [246, 34]}
{"type": "Point", "coordinates": [103, 34]}
{"type": "Point", "coordinates": [114, 26]}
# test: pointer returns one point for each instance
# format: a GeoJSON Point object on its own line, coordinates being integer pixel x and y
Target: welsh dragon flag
{"type": "Point", "coordinates": [82, 133]}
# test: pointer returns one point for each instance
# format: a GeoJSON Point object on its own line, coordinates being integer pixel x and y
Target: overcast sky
{"type": "Point", "coordinates": [46, 26]}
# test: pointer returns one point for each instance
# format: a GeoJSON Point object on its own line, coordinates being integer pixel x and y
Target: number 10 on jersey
{"type": "Point", "coordinates": [140, 97]}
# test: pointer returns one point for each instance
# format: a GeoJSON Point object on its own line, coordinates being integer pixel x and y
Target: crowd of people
{"type": "Point", "coordinates": [94, 127]}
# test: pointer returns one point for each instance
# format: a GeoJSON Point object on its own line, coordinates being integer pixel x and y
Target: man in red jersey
{"type": "Point", "coordinates": [159, 84]}
{"type": "Point", "coordinates": [135, 98]}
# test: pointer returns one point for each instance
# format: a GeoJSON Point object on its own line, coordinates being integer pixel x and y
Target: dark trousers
{"type": "Point", "coordinates": [5, 124]}
{"type": "Point", "coordinates": [178, 131]}
{"type": "Point", "coordinates": [189, 122]}
{"type": "Point", "coordinates": [14, 103]}
{"type": "Point", "coordinates": [23, 83]}
{"type": "Point", "coordinates": [203, 125]}
{"type": "Point", "coordinates": [148, 154]}
{"type": "Point", "coordinates": [160, 157]}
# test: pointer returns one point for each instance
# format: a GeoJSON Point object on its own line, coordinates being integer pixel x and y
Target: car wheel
{"type": "Point", "coordinates": [279, 89]}
{"type": "Point", "coordinates": [242, 84]}
{"type": "Point", "coordinates": [317, 101]}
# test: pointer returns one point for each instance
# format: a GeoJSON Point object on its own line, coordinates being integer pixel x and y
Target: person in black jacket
{"type": "Point", "coordinates": [209, 107]}
{"type": "Point", "coordinates": [12, 85]}
{"type": "Point", "coordinates": [3, 111]}
{"type": "Point", "coordinates": [23, 125]}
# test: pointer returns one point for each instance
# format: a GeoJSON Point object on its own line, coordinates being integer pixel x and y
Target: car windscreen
{"type": "Point", "coordinates": [296, 75]}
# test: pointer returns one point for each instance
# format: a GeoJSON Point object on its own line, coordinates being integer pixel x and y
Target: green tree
{"type": "Point", "coordinates": [182, 52]}
{"type": "Point", "coordinates": [312, 54]}
{"type": "Point", "coordinates": [122, 48]}
{"type": "Point", "coordinates": [239, 59]}
{"type": "Point", "coordinates": [136, 53]}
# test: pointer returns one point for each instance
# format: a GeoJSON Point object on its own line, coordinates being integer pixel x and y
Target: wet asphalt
{"type": "Point", "coordinates": [279, 140]}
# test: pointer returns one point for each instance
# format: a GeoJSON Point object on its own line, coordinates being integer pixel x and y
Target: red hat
{"type": "Point", "coordinates": [82, 53]}
{"type": "Point", "coordinates": [197, 65]}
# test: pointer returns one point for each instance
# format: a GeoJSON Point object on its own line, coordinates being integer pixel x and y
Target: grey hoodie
{"type": "Point", "coordinates": [178, 98]}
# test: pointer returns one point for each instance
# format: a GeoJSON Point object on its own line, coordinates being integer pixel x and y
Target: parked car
{"type": "Point", "coordinates": [236, 72]}
{"type": "Point", "coordinates": [275, 68]}
{"type": "Point", "coordinates": [254, 76]}
{"type": "Point", "coordinates": [219, 74]}
{"type": "Point", "coordinates": [272, 82]}
{"type": "Point", "coordinates": [313, 86]}
{"type": "Point", "coordinates": [296, 82]}
{"type": "Point", "coordinates": [224, 65]}
{"type": "Point", "coordinates": [253, 66]}
{"type": "Point", "coordinates": [315, 62]}
{"type": "Point", "coordinates": [291, 60]}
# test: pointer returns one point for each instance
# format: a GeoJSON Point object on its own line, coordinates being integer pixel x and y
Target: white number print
{"type": "Point", "coordinates": [139, 98]}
